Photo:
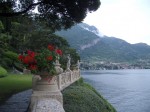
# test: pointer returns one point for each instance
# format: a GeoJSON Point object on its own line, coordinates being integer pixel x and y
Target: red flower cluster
{"type": "Point", "coordinates": [34, 61]}
{"type": "Point", "coordinates": [50, 58]}
{"type": "Point", "coordinates": [29, 59]}
{"type": "Point", "coordinates": [51, 47]}
{"type": "Point", "coordinates": [58, 51]}
{"type": "Point", "coordinates": [33, 67]}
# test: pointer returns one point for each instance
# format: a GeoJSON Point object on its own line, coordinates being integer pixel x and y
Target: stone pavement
{"type": "Point", "coordinates": [17, 103]}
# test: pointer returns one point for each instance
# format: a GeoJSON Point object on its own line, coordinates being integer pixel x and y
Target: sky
{"type": "Point", "coordinates": [125, 19]}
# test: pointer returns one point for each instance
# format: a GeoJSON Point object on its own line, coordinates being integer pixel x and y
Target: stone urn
{"type": "Point", "coordinates": [45, 82]}
{"type": "Point", "coordinates": [45, 87]}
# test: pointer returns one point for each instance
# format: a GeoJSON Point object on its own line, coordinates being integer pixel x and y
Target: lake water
{"type": "Point", "coordinates": [126, 90]}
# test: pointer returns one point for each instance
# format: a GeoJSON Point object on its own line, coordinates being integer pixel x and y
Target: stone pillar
{"type": "Point", "coordinates": [68, 63]}
{"type": "Point", "coordinates": [59, 70]}
{"type": "Point", "coordinates": [44, 90]}
{"type": "Point", "coordinates": [78, 65]}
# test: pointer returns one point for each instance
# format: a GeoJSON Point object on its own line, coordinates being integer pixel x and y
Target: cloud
{"type": "Point", "coordinates": [126, 19]}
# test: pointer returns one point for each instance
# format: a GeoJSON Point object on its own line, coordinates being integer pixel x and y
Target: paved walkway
{"type": "Point", "coordinates": [17, 103]}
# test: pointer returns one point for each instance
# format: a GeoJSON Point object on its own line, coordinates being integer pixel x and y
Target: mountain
{"type": "Point", "coordinates": [79, 37]}
{"type": "Point", "coordinates": [94, 46]}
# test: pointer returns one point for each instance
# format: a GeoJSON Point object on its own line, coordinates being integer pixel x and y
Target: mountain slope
{"type": "Point", "coordinates": [93, 46]}
{"type": "Point", "coordinates": [77, 36]}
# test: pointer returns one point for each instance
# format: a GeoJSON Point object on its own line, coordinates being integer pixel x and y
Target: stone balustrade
{"type": "Point", "coordinates": [67, 78]}
{"type": "Point", "coordinates": [52, 93]}
{"type": "Point", "coordinates": [47, 95]}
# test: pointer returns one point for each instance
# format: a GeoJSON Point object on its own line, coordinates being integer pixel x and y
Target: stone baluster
{"type": "Point", "coordinates": [68, 63]}
{"type": "Point", "coordinates": [78, 65]}
{"type": "Point", "coordinates": [59, 70]}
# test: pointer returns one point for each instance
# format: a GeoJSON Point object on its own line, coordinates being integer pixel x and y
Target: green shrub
{"type": "Point", "coordinates": [1, 26]}
{"type": "Point", "coordinates": [6, 63]}
{"type": "Point", "coordinates": [81, 97]}
{"type": "Point", "coordinates": [12, 55]}
{"type": "Point", "coordinates": [8, 58]}
{"type": "Point", "coordinates": [18, 66]}
{"type": "Point", "coordinates": [3, 72]}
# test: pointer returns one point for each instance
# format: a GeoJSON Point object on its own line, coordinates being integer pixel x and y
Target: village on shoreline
{"type": "Point", "coordinates": [103, 65]}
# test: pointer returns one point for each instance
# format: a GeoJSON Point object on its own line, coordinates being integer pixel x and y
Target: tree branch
{"type": "Point", "coordinates": [11, 14]}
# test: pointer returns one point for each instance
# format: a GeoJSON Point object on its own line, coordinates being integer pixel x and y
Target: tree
{"type": "Point", "coordinates": [1, 26]}
{"type": "Point", "coordinates": [57, 13]}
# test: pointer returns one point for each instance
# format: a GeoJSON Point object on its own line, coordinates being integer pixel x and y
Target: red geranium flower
{"type": "Point", "coordinates": [51, 47]}
{"type": "Point", "coordinates": [31, 53]}
{"type": "Point", "coordinates": [50, 58]}
{"type": "Point", "coordinates": [58, 51]}
{"type": "Point", "coordinates": [28, 59]}
{"type": "Point", "coordinates": [43, 60]}
{"type": "Point", "coordinates": [33, 67]}
{"type": "Point", "coordinates": [21, 57]}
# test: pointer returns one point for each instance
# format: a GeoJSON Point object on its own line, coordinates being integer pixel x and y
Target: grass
{"type": "Point", "coordinates": [81, 97]}
{"type": "Point", "coordinates": [12, 84]}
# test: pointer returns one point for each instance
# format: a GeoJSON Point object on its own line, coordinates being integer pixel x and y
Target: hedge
{"type": "Point", "coordinates": [3, 72]}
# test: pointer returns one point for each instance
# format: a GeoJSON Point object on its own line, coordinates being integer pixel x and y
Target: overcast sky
{"type": "Point", "coordinates": [125, 19]}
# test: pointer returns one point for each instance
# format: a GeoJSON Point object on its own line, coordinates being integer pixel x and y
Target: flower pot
{"type": "Point", "coordinates": [46, 83]}
{"type": "Point", "coordinates": [45, 87]}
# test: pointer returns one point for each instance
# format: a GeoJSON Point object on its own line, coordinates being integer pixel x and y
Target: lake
{"type": "Point", "coordinates": [126, 90]}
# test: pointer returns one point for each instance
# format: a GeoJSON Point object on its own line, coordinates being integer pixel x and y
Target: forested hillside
{"type": "Point", "coordinates": [93, 46]}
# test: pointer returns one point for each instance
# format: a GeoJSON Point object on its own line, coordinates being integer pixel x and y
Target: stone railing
{"type": "Point", "coordinates": [47, 95]}
{"type": "Point", "coordinates": [67, 78]}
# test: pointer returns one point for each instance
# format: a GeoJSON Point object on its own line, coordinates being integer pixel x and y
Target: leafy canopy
{"type": "Point", "coordinates": [58, 13]}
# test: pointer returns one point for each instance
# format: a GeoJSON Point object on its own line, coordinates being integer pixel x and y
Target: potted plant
{"type": "Point", "coordinates": [42, 64]}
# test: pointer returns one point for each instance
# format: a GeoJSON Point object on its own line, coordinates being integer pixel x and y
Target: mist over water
{"type": "Point", "coordinates": [126, 90]}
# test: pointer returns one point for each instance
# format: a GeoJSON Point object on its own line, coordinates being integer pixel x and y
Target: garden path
{"type": "Point", "coordinates": [17, 103]}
